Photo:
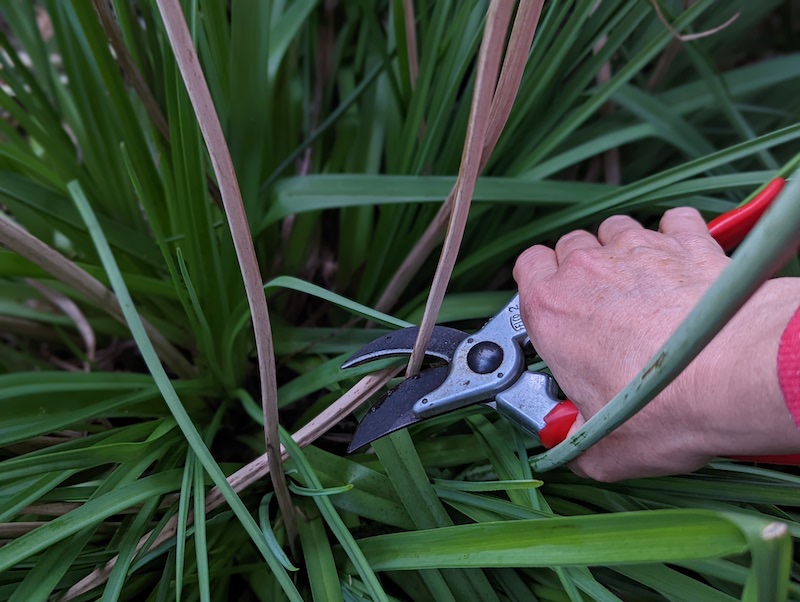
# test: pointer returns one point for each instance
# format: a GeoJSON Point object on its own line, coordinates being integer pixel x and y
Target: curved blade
{"type": "Point", "coordinates": [395, 409]}
{"type": "Point", "coordinates": [443, 344]}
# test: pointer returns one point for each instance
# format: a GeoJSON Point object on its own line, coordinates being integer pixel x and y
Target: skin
{"type": "Point", "coordinates": [597, 308]}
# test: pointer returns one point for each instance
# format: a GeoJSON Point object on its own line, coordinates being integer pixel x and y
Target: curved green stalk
{"type": "Point", "coordinates": [771, 242]}
{"type": "Point", "coordinates": [193, 438]}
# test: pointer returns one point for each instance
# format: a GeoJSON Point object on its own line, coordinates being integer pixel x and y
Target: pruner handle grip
{"type": "Point", "coordinates": [558, 423]}
{"type": "Point", "coordinates": [729, 229]}
{"type": "Point", "coordinates": [532, 404]}
{"type": "Point", "coordinates": [560, 419]}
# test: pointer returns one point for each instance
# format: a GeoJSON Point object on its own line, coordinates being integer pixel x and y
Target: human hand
{"type": "Point", "coordinates": [598, 308]}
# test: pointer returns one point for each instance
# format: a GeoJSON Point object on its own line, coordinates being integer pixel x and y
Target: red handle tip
{"type": "Point", "coordinates": [558, 422]}
{"type": "Point", "coordinates": [729, 229]}
{"type": "Point", "coordinates": [786, 460]}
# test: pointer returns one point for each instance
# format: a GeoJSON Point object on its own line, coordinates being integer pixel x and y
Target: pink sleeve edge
{"type": "Point", "coordinates": [789, 366]}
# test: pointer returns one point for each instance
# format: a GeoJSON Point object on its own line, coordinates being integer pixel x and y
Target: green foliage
{"type": "Point", "coordinates": [342, 161]}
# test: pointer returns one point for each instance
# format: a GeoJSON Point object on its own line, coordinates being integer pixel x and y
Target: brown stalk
{"type": "Point", "coordinates": [519, 47]}
{"type": "Point", "coordinates": [489, 58]}
{"type": "Point", "coordinates": [692, 36]}
{"type": "Point", "coordinates": [133, 77]}
{"type": "Point", "coordinates": [59, 508]}
{"type": "Point", "coordinates": [326, 45]}
{"type": "Point", "coordinates": [410, 23]}
{"type": "Point", "coordinates": [675, 45]}
{"type": "Point", "coordinates": [36, 443]}
{"type": "Point", "coordinates": [611, 165]}
{"type": "Point", "coordinates": [416, 257]}
{"type": "Point", "coordinates": [12, 530]}
{"type": "Point", "coordinates": [208, 120]}
{"type": "Point", "coordinates": [664, 63]}
{"type": "Point", "coordinates": [130, 71]}
{"type": "Point", "coordinates": [255, 470]}
{"type": "Point", "coordinates": [70, 309]}
{"type": "Point", "coordinates": [28, 328]}
{"type": "Point", "coordinates": [525, 22]}
{"type": "Point", "coordinates": [25, 244]}
{"type": "Point", "coordinates": [189, 65]}
{"type": "Point", "coordinates": [411, 40]}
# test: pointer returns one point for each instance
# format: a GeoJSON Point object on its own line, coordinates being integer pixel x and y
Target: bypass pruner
{"type": "Point", "coordinates": [489, 367]}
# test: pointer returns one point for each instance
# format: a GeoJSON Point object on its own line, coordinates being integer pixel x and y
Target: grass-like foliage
{"type": "Point", "coordinates": [135, 405]}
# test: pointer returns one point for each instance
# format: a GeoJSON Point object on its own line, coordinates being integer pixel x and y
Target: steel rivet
{"type": "Point", "coordinates": [499, 375]}
{"type": "Point", "coordinates": [424, 400]}
{"type": "Point", "coordinates": [485, 357]}
{"type": "Point", "coordinates": [470, 340]}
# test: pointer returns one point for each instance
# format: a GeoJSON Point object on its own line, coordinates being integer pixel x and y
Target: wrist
{"type": "Point", "coordinates": [737, 397]}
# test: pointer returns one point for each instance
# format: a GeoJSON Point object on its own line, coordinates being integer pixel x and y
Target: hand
{"type": "Point", "coordinates": [598, 308]}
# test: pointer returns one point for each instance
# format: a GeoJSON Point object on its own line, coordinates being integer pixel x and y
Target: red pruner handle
{"type": "Point", "coordinates": [729, 229]}
{"type": "Point", "coordinates": [786, 459]}
{"type": "Point", "coordinates": [560, 419]}
{"type": "Point", "coordinates": [557, 423]}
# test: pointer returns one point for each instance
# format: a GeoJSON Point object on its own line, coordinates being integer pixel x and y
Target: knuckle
{"type": "Point", "coordinates": [566, 241]}
{"type": "Point", "coordinates": [613, 224]}
{"type": "Point", "coordinates": [529, 257]}
{"type": "Point", "coordinates": [613, 221]}
{"type": "Point", "coordinates": [633, 237]}
{"type": "Point", "coordinates": [572, 235]}
{"type": "Point", "coordinates": [580, 258]}
{"type": "Point", "coordinates": [683, 212]}
{"type": "Point", "coordinates": [702, 245]}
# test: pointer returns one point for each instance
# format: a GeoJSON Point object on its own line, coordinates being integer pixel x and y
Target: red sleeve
{"type": "Point", "coordinates": [789, 366]}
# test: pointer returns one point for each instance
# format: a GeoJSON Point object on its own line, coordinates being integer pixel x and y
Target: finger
{"type": "Point", "coordinates": [614, 225]}
{"type": "Point", "coordinates": [683, 220]}
{"type": "Point", "coordinates": [579, 239]}
{"type": "Point", "coordinates": [575, 467]}
{"type": "Point", "coordinates": [534, 267]}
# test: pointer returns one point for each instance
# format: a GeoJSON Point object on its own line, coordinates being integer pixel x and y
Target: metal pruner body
{"type": "Point", "coordinates": [486, 367]}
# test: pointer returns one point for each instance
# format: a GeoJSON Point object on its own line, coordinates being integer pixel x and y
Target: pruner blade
{"type": "Point", "coordinates": [395, 409]}
{"type": "Point", "coordinates": [488, 367]}
{"type": "Point", "coordinates": [442, 345]}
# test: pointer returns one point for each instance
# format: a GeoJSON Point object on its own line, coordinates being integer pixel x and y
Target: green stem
{"type": "Point", "coordinates": [775, 238]}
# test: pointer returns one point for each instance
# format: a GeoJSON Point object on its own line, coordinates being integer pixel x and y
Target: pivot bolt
{"type": "Point", "coordinates": [485, 357]}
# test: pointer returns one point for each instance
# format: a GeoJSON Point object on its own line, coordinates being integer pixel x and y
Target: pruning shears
{"type": "Point", "coordinates": [490, 366]}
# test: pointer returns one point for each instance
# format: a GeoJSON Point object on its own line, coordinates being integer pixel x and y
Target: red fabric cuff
{"type": "Point", "coordinates": [789, 366]}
